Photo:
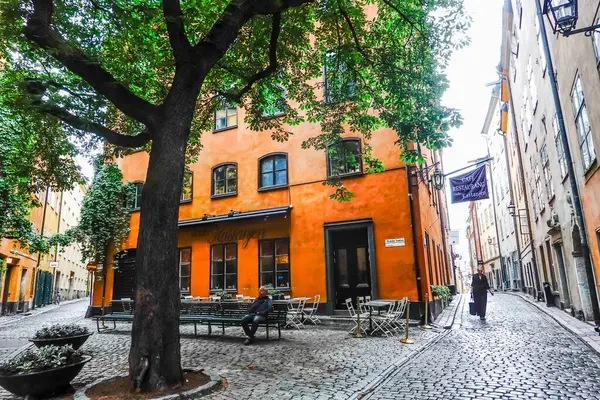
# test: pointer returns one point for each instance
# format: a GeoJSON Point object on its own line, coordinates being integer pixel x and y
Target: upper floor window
{"type": "Point", "coordinates": [340, 81]}
{"type": "Point", "coordinates": [596, 43]}
{"type": "Point", "coordinates": [344, 158]}
{"type": "Point", "coordinates": [275, 102]}
{"type": "Point", "coordinates": [560, 151]}
{"type": "Point", "coordinates": [223, 267]}
{"type": "Point", "coordinates": [137, 200]}
{"type": "Point", "coordinates": [185, 269]}
{"type": "Point", "coordinates": [226, 118]}
{"type": "Point", "coordinates": [224, 179]}
{"type": "Point", "coordinates": [273, 171]}
{"type": "Point", "coordinates": [586, 144]}
{"type": "Point", "coordinates": [186, 189]}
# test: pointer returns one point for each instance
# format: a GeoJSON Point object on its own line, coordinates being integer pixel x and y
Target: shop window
{"type": "Point", "coordinates": [224, 179]}
{"type": "Point", "coordinates": [274, 259]}
{"type": "Point", "coordinates": [137, 200]}
{"type": "Point", "coordinates": [185, 270]}
{"type": "Point", "coordinates": [226, 118]}
{"type": "Point", "coordinates": [223, 267]}
{"type": "Point", "coordinates": [344, 158]}
{"type": "Point", "coordinates": [273, 171]}
{"type": "Point", "coordinates": [186, 190]}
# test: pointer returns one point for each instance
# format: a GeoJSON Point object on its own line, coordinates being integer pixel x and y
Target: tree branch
{"type": "Point", "coordinates": [354, 34]}
{"type": "Point", "coordinates": [109, 135]}
{"type": "Point", "coordinates": [403, 15]}
{"type": "Point", "coordinates": [270, 69]}
{"type": "Point", "coordinates": [176, 28]}
{"type": "Point", "coordinates": [224, 32]}
{"type": "Point", "coordinates": [38, 30]}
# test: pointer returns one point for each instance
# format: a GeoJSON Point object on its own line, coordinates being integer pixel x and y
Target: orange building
{"type": "Point", "coordinates": [256, 212]}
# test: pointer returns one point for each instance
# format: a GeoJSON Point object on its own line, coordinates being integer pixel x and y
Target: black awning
{"type": "Point", "coordinates": [236, 216]}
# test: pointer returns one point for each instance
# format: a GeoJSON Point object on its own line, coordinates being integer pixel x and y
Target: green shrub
{"type": "Point", "coordinates": [440, 291]}
{"type": "Point", "coordinates": [61, 331]}
{"type": "Point", "coordinates": [48, 357]}
{"type": "Point", "coordinates": [224, 295]}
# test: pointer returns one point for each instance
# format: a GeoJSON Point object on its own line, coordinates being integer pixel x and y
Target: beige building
{"type": "Point", "coordinates": [71, 277]}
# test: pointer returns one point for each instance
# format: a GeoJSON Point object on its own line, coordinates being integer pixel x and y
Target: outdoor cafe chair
{"type": "Point", "coordinates": [385, 323]}
{"type": "Point", "coordinates": [354, 317]}
{"type": "Point", "coordinates": [295, 315]}
{"type": "Point", "coordinates": [310, 313]}
{"type": "Point", "coordinates": [362, 304]}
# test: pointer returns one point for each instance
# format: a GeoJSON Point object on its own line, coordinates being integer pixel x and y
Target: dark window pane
{"type": "Point", "coordinates": [231, 281]}
{"type": "Point", "coordinates": [216, 282]}
{"type": "Point", "coordinates": [281, 178]}
{"type": "Point", "coordinates": [267, 165]}
{"type": "Point", "coordinates": [282, 247]}
{"type": "Point", "coordinates": [184, 284]}
{"type": "Point", "coordinates": [184, 270]}
{"type": "Point", "coordinates": [267, 179]}
{"type": "Point", "coordinates": [266, 264]}
{"type": "Point", "coordinates": [220, 173]}
{"type": "Point", "coordinates": [219, 187]}
{"type": "Point", "coordinates": [231, 172]}
{"type": "Point", "coordinates": [217, 253]}
{"type": "Point", "coordinates": [217, 267]}
{"type": "Point", "coordinates": [231, 185]}
{"type": "Point", "coordinates": [283, 279]}
{"type": "Point", "coordinates": [231, 252]}
{"type": "Point", "coordinates": [266, 279]}
{"type": "Point", "coordinates": [266, 248]}
{"type": "Point", "coordinates": [281, 163]}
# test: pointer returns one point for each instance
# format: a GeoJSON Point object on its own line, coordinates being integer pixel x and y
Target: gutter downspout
{"type": "Point", "coordinates": [413, 229]}
{"type": "Point", "coordinates": [583, 242]}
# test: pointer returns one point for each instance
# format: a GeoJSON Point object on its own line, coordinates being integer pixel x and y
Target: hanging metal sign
{"type": "Point", "coordinates": [471, 186]}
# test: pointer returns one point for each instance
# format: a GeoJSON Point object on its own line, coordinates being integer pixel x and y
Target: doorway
{"type": "Point", "coordinates": [350, 262]}
{"type": "Point", "coordinates": [21, 304]}
{"type": "Point", "coordinates": [6, 292]}
{"type": "Point", "coordinates": [124, 285]}
{"type": "Point", "coordinates": [564, 283]}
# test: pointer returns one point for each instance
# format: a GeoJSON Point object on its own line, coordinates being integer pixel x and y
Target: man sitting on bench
{"type": "Point", "coordinates": [257, 314]}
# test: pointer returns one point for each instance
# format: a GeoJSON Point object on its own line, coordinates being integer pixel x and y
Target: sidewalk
{"type": "Point", "coordinates": [583, 330]}
{"type": "Point", "coordinates": [9, 319]}
{"type": "Point", "coordinates": [446, 318]}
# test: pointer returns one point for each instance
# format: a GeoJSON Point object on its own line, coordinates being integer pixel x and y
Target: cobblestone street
{"type": "Point", "coordinates": [519, 353]}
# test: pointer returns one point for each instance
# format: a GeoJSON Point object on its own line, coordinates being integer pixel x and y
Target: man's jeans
{"type": "Point", "coordinates": [255, 320]}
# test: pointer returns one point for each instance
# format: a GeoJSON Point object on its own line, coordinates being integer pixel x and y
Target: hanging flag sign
{"type": "Point", "coordinates": [470, 186]}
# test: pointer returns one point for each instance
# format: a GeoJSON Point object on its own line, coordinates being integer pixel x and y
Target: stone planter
{"type": "Point", "coordinates": [43, 383]}
{"type": "Point", "coordinates": [75, 341]}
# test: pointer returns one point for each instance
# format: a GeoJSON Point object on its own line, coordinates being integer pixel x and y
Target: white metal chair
{"type": "Point", "coordinates": [385, 323]}
{"type": "Point", "coordinates": [295, 315]}
{"type": "Point", "coordinates": [239, 297]}
{"type": "Point", "coordinates": [354, 317]}
{"type": "Point", "coordinates": [287, 297]}
{"type": "Point", "coordinates": [310, 313]}
{"type": "Point", "coordinates": [362, 304]}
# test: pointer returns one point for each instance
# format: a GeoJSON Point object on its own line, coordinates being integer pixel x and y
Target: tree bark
{"type": "Point", "coordinates": [154, 357]}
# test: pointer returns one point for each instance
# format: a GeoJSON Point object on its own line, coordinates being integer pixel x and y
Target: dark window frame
{"type": "Point", "coordinates": [213, 195]}
{"type": "Point", "coordinates": [138, 197]}
{"type": "Point", "coordinates": [289, 271]}
{"type": "Point", "coordinates": [359, 161]}
{"type": "Point", "coordinates": [589, 136]}
{"type": "Point", "coordinates": [287, 172]}
{"type": "Point", "coordinates": [327, 99]}
{"type": "Point", "coordinates": [179, 263]}
{"type": "Point", "coordinates": [181, 199]}
{"type": "Point", "coordinates": [210, 270]}
{"type": "Point", "coordinates": [226, 128]}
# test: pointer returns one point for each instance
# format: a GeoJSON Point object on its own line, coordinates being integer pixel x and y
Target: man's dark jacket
{"type": "Point", "coordinates": [261, 306]}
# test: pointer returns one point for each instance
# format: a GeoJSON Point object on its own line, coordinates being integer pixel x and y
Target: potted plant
{"type": "Point", "coordinates": [276, 294]}
{"type": "Point", "coordinates": [60, 335]}
{"type": "Point", "coordinates": [224, 295]}
{"type": "Point", "coordinates": [42, 373]}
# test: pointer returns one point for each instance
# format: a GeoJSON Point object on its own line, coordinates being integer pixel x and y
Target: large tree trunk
{"type": "Point", "coordinates": [154, 357]}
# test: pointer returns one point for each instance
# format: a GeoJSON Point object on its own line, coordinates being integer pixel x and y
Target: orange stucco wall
{"type": "Point", "coordinates": [590, 197]}
{"type": "Point", "coordinates": [382, 197]}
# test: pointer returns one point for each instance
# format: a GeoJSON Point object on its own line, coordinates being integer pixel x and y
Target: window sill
{"type": "Point", "coordinates": [346, 176]}
{"type": "Point", "coordinates": [135, 210]}
{"type": "Point", "coordinates": [273, 116]}
{"type": "Point", "coordinates": [225, 129]}
{"type": "Point", "coordinates": [269, 188]}
{"type": "Point", "coordinates": [223, 196]}
{"type": "Point", "coordinates": [591, 171]}
{"type": "Point", "coordinates": [551, 199]}
{"type": "Point", "coordinates": [213, 291]}
{"type": "Point", "coordinates": [185, 201]}
{"type": "Point", "coordinates": [564, 178]}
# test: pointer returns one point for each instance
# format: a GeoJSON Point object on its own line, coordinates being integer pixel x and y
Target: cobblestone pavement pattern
{"type": "Point", "coordinates": [519, 353]}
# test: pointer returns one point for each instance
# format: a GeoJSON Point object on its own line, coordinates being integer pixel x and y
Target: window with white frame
{"type": "Point", "coordinates": [226, 118]}
{"type": "Point", "coordinates": [185, 270]}
{"type": "Point", "coordinates": [538, 194]}
{"type": "Point", "coordinates": [274, 263]}
{"type": "Point", "coordinates": [562, 162]}
{"type": "Point", "coordinates": [546, 169]}
{"type": "Point", "coordinates": [586, 144]}
{"type": "Point", "coordinates": [223, 267]}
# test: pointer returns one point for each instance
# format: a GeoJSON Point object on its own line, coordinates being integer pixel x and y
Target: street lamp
{"type": "Point", "coordinates": [562, 15]}
{"type": "Point", "coordinates": [511, 209]}
{"type": "Point", "coordinates": [438, 179]}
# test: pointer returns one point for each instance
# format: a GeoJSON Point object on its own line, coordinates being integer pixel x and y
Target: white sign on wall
{"type": "Point", "coordinates": [53, 264]}
{"type": "Point", "coordinates": [395, 242]}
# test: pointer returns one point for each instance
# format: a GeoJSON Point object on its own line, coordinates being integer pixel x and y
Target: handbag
{"type": "Point", "coordinates": [472, 309]}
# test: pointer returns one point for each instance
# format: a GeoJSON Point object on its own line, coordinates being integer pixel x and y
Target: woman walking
{"type": "Point", "coordinates": [479, 289]}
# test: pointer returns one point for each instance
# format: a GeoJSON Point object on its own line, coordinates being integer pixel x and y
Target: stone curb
{"type": "Point", "coordinates": [369, 388]}
{"type": "Point", "coordinates": [209, 387]}
{"type": "Point", "coordinates": [559, 322]}
{"type": "Point", "coordinates": [453, 310]}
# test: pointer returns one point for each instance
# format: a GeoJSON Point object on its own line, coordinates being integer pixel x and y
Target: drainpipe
{"type": "Point", "coordinates": [39, 256]}
{"type": "Point", "coordinates": [413, 229]}
{"type": "Point", "coordinates": [583, 242]}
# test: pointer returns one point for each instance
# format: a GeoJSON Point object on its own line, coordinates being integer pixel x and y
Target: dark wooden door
{"type": "Point", "coordinates": [125, 279]}
{"type": "Point", "coordinates": [6, 291]}
{"type": "Point", "coordinates": [352, 269]}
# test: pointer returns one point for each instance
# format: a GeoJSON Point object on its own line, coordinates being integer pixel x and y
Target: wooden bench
{"type": "Point", "coordinates": [226, 313]}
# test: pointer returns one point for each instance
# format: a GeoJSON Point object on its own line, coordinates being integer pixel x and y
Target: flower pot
{"type": "Point", "coordinates": [75, 341]}
{"type": "Point", "coordinates": [43, 383]}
